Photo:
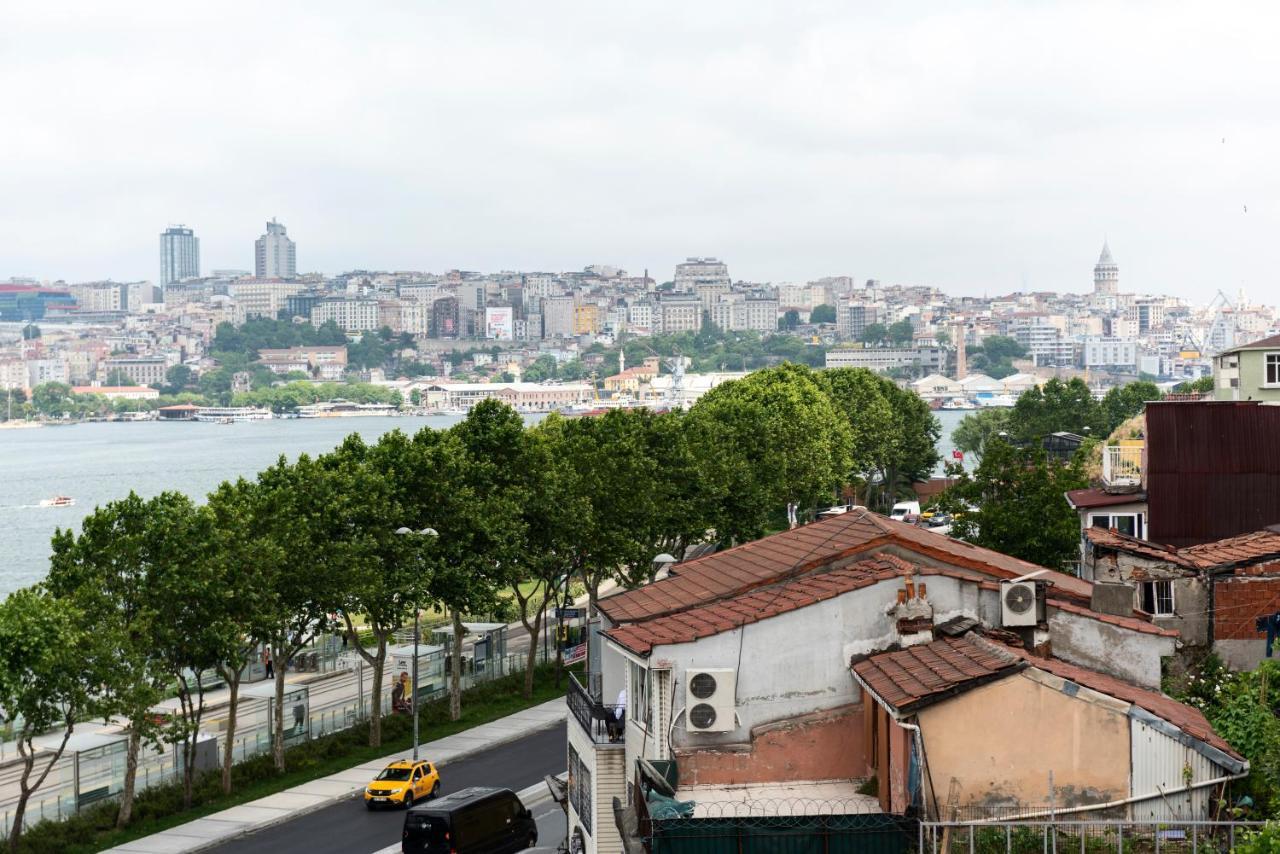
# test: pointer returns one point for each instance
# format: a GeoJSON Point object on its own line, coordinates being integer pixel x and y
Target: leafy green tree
{"type": "Point", "coordinates": [117, 376]}
{"type": "Point", "coordinates": [1203, 385]}
{"type": "Point", "coordinates": [902, 333]}
{"type": "Point", "coordinates": [913, 444]}
{"type": "Point", "coordinates": [1020, 509]}
{"type": "Point", "coordinates": [823, 314]}
{"type": "Point", "coordinates": [978, 428]}
{"type": "Point", "coordinates": [874, 333]}
{"type": "Point", "coordinates": [1002, 348]}
{"type": "Point", "coordinates": [53, 399]}
{"type": "Point", "coordinates": [859, 396]}
{"type": "Point", "coordinates": [789, 320]}
{"type": "Point", "coordinates": [48, 655]}
{"type": "Point", "coordinates": [1121, 403]}
{"type": "Point", "coordinates": [767, 441]}
{"type": "Point", "coordinates": [1055, 407]}
{"type": "Point", "coordinates": [104, 571]}
{"type": "Point", "coordinates": [177, 378]}
{"type": "Point", "coordinates": [542, 369]}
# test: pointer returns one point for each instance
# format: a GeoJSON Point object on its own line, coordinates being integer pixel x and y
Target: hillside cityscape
{"type": "Point", "coordinates": [599, 335]}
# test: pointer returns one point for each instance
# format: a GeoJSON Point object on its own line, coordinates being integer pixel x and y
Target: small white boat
{"type": "Point", "coordinates": [58, 501]}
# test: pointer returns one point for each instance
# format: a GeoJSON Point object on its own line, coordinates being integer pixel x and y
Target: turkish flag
{"type": "Point", "coordinates": [957, 455]}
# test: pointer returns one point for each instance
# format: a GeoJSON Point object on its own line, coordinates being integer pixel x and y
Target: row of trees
{"type": "Point", "coordinates": [150, 593]}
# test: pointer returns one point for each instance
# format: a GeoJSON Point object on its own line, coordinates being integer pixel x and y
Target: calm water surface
{"type": "Point", "coordinates": [97, 463]}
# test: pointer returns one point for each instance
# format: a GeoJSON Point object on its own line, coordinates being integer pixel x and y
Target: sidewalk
{"type": "Point", "coordinates": [284, 806]}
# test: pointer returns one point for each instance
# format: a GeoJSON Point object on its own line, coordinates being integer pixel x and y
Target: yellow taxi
{"type": "Point", "coordinates": [401, 783]}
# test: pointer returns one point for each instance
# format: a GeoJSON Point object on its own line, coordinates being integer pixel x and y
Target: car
{"type": "Point", "coordinates": [402, 783]}
{"type": "Point", "coordinates": [478, 820]}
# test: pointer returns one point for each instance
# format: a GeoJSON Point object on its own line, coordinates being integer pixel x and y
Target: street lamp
{"type": "Point", "coordinates": [413, 706]}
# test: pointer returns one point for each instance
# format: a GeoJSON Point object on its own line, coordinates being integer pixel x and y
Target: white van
{"type": "Point", "coordinates": [904, 510]}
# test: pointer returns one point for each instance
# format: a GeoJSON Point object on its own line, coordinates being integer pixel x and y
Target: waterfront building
{"type": "Point", "coordinates": [179, 255]}
{"type": "Point", "coordinates": [143, 370]}
{"type": "Point", "coordinates": [119, 392]}
{"type": "Point", "coordinates": [275, 255]}
{"type": "Point", "coordinates": [928, 359]}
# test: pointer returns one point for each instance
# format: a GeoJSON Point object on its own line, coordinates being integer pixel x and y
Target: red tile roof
{"type": "Point", "coordinates": [1083, 499]}
{"type": "Point", "coordinates": [792, 553]}
{"type": "Point", "coordinates": [1189, 719]}
{"type": "Point", "coordinates": [1112, 539]}
{"type": "Point", "coordinates": [756, 604]}
{"type": "Point", "coordinates": [1246, 548]}
{"type": "Point", "coordinates": [909, 679]}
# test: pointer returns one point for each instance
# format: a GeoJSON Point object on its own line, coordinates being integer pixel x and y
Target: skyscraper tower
{"type": "Point", "coordinates": [1106, 274]}
{"type": "Point", "coordinates": [179, 254]}
{"type": "Point", "coordinates": [275, 255]}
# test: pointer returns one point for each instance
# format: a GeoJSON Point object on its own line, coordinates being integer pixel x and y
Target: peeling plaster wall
{"type": "Point", "coordinates": [1000, 742]}
{"type": "Point", "coordinates": [822, 746]}
{"type": "Point", "coordinates": [1123, 653]}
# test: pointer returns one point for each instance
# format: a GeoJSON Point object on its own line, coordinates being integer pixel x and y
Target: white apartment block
{"type": "Point", "coordinates": [739, 313]}
{"type": "Point", "coordinates": [927, 359]}
{"type": "Point", "coordinates": [694, 271]}
{"type": "Point", "coordinates": [1110, 353]}
{"type": "Point", "coordinates": [143, 370]}
{"type": "Point", "coordinates": [351, 315]}
{"type": "Point", "coordinates": [678, 313]}
{"type": "Point", "coordinates": [257, 298]}
{"type": "Point", "coordinates": [13, 374]}
{"type": "Point", "coordinates": [640, 315]}
{"type": "Point", "coordinates": [107, 296]}
{"type": "Point", "coordinates": [558, 316]}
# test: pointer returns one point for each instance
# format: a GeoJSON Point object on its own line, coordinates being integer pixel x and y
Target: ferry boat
{"type": "Point", "coordinates": [58, 501]}
{"type": "Point", "coordinates": [231, 414]}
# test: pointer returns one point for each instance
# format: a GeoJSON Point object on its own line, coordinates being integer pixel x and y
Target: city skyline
{"type": "Point", "coordinates": [928, 146]}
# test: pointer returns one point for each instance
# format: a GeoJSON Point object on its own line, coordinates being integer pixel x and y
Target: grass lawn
{"type": "Point", "coordinates": [159, 807]}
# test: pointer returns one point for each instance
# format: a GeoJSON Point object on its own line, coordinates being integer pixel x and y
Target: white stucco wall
{"type": "Point", "coordinates": [1123, 653]}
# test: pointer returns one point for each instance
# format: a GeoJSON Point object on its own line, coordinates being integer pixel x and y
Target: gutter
{"type": "Point", "coordinates": [1054, 813]}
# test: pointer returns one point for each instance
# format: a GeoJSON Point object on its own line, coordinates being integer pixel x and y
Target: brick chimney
{"type": "Point", "coordinates": [912, 614]}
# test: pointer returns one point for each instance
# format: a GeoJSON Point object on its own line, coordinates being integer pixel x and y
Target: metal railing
{"type": "Point", "coordinates": [1122, 466]}
{"type": "Point", "coordinates": [601, 721]}
{"type": "Point", "coordinates": [338, 700]}
{"type": "Point", "coordinates": [1094, 837]}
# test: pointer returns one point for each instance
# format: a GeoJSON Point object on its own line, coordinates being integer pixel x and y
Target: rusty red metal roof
{"type": "Point", "coordinates": [912, 678]}
{"type": "Point", "coordinates": [820, 544]}
{"type": "Point", "coordinates": [1084, 499]}
{"type": "Point", "coordinates": [1248, 548]}
{"type": "Point", "coordinates": [1212, 470]}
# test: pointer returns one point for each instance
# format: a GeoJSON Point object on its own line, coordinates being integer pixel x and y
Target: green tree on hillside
{"type": "Point", "coordinates": [976, 429]}
{"type": "Point", "coordinates": [823, 314]}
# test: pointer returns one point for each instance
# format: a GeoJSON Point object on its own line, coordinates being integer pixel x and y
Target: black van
{"type": "Point", "coordinates": [478, 820]}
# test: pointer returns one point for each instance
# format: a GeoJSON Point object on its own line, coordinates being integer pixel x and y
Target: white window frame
{"type": "Point", "coordinates": [1155, 588]}
{"type": "Point", "coordinates": [638, 686]}
{"type": "Point", "coordinates": [1271, 369]}
{"type": "Point", "coordinates": [1139, 521]}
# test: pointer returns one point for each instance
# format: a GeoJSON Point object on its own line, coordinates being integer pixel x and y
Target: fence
{"type": "Point", "coordinates": [1086, 837]}
{"type": "Point", "coordinates": [336, 698]}
{"type": "Point", "coordinates": [780, 834]}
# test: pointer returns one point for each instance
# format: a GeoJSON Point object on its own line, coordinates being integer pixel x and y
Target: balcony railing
{"type": "Point", "coordinates": [1122, 467]}
{"type": "Point", "coordinates": [602, 722]}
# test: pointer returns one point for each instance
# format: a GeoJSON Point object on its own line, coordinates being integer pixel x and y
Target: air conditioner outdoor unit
{"type": "Point", "coordinates": [709, 699]}
{"type": "Point", "coordinates": [1021, 603]}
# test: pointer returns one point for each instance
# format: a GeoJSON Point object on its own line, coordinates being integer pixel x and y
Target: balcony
{"type": "Point", "coordinates": [1122, 466]}
{"type": "Point", "coordinates": [600, 721]}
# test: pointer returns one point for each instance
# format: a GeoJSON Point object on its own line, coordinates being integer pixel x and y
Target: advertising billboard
{"type": "Point", "coordinates": [499, 322]}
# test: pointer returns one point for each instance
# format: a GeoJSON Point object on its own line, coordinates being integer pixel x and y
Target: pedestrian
{"type": "Point", "coordinates": [266, 657]}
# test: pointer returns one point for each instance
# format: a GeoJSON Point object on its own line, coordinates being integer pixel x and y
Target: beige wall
{"type": "Point", "coordinates": [1001, 741]}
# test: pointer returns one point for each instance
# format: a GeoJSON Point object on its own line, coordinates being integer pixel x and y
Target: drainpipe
{"type": "Point", "coordinates": [900, 721]}
{"type": "Point", "coordinates": [1108, 805]}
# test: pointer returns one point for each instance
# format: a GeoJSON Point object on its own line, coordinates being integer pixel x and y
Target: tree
{"type": "Point", "coordinates": [47, 670]}
{"type": "Point", "coordinates": [104, 572]}
{"type": "Point", "coordinates": [976, 429]}
{"type": "Point", "coordinates": [765, 442]}
{"type": "Point", "coordinates": [874, 333]}
{"type": "Point", "coordinates": [902, 333]}
{"type": "Point", "coordinates": [542, 369]}
{"type": "Point", "coordinates": [1121, 403]}
{"type": "Point", "coordinates": [1020, 510]}
{"type": "Point", "coordinates": [176, 379]}
{"type": "Point", "coordinates": [789, 320]}
{"type": "Point", "coordinates": [859, 395]}
{"type": "Point", "coordinates": [1056, 406]}
{"type": "Point", "coordinates": [823, 314]}
{"type": "Point", "coordinates": [913, 443]}
{"type": "Point", "coordinates": [117, 376]}
{"type": "Point", "coordinates": [1203, 385]}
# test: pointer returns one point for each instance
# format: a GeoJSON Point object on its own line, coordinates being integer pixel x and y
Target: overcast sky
{"type": "Point", "coordinates": [984, 149]}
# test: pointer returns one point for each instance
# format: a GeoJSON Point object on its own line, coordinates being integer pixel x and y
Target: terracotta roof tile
{"type": "Point", "coordinates": [804, 549]}
{"type": "Point", "coordinates": [1112, 539]}
{"type": "Point", "coordinates": [1246, 548]}
{"type": "Point", "coordinates": [909, 679]}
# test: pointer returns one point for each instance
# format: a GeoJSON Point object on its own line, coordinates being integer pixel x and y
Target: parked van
{"type": "Point", "coordinates": [478, 820]}
{"type": "Point", "coordinates": [905, 511]}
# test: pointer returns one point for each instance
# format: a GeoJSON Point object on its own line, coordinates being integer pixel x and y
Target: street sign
{"type": "Point", "coordinates": [570, 613]}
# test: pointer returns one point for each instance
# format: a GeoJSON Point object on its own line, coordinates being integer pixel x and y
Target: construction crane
{"type": "Point", "coordinates": [1222, 329]}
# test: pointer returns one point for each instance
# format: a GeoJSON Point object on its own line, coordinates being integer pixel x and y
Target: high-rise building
{"type": "Point", "coordinates": [1106, 273]}
{"type": "Point", "coordinates": [179, 254]}
{"type": "Point", "coordinates": [275, 255]}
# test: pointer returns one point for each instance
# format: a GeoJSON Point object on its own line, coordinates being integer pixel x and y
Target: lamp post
{"type": "Point", "coordinates": [413, 706]}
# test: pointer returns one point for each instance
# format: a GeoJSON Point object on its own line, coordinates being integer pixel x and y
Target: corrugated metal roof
{"type": "Point", "coordinates": [1213, 470]}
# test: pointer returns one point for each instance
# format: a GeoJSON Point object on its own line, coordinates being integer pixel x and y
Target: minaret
{"type": "Point", "coordinates": [1106, 275]}
{"type": "Point", "coordinates": [622, 359]}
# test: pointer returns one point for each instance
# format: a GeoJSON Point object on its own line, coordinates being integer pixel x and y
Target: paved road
{"type": "Point", "coordinates": [348, 828]}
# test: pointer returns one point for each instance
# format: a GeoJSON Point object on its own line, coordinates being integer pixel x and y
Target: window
{"type": "Point", "coordinates": [1157, 598]}
{"type": "Point", "coordinates": [1272, 365]}
{"type": "Point", "coordinates": [580, 789]}
{"type": "Point", "coordinates": [638, 694]}
{"type": "Point", "coordinates": [1129, 524]}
